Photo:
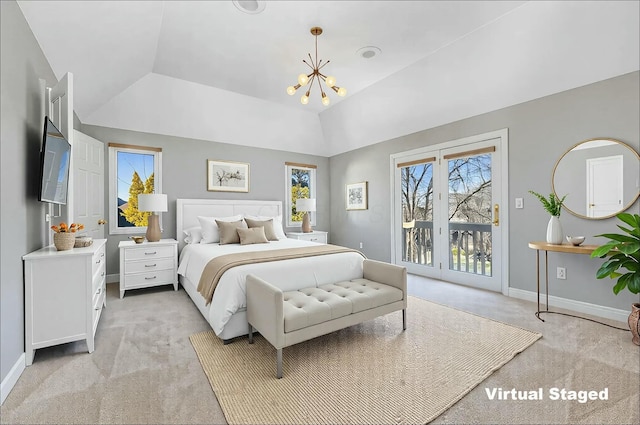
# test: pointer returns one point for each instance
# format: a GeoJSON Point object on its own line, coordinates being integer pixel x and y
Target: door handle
{"type": "Point", "coordinates": [102, 221]}
{"type": "Point", "coordinates": [496, 215]}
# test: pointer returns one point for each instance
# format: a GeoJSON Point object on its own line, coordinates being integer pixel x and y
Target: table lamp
{"type": "Point", "coordinates": [307, 205]}
{"type": "Point", "coordinates": [155, 203]}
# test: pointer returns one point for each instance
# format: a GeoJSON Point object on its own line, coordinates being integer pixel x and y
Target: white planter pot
{"type": "Point", "coordinates": [554, 231]}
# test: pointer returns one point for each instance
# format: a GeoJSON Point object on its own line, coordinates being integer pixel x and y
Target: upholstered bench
{"type": "Point", "coordinates": [287, 318]}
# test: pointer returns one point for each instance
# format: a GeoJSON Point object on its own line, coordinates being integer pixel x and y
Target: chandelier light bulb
{"type": "Point", "coordinates": [331, 81]}
{"type": "Point", "coordinates": [303, 79]}
{"type": "Point", "coordinates": [305, 99]}
{"type": "Point", "coordinates": [291, 90]}
{"type": "Point", "coordinates": [342, 92]}
{"type": "Point", "coordinates": [325, 100]}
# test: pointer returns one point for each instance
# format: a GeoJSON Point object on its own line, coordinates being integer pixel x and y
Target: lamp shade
{"type": "Point", "coordinates": [305, 204]}
{"type": "Point", "coordinates": [155, 202]}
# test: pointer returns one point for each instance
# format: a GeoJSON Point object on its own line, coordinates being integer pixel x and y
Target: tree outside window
{"type": "Point", "coordinates": [300, 184]}
{"type": "Point", "coordinates": [133, 170]}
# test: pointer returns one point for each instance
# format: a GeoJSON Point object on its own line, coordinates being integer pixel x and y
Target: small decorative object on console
{"type": "Point", "coordinates": [575, 240]}
{"type": "Point", "coordinates": [137, 239]}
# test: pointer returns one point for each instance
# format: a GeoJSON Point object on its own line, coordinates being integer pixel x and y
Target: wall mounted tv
{"type": "Point", "coordinates": [54, 165]}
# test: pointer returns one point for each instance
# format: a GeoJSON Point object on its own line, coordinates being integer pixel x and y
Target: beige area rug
{"type": "Point", "coordinates": [365, 374]}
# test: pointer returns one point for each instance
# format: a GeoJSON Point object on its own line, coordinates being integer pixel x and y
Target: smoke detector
{"type": "Point", "coordinates": [369, 52]}
{"type": "Point", "coordinates": [251, 7]}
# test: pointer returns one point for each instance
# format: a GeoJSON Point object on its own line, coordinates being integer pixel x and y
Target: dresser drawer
{"type": "Point", "coordinates": [99, 275]}
{"type": "Point", "coordinates": [158, 277]}
{"type": "Point", "coordinates": [98, 295]}
{"type": "Point", "coordinates": [149, 252]}
{"type": "Point", "coordinates": [99, 259]}
{"type": "Point", "coordinates": [151, 264]}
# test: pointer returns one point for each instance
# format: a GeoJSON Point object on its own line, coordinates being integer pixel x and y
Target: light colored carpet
{"type": "Point", "coordinates": [369, 373]}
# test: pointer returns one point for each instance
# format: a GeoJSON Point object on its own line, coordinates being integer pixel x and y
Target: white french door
{"type": "Point", "coordinates": [449, 221]}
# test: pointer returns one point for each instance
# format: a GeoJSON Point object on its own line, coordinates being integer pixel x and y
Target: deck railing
{"type": "Point", "coordinates": [469, 246]}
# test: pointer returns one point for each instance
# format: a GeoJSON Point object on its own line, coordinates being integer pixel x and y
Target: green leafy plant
{"type": "Point", "coordinates": [553, 205]}
{"type": "Point", "coordinates": [624, 254]}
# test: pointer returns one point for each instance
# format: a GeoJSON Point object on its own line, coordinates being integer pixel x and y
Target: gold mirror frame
{"type": "Point", "coordinates": [569, 206]}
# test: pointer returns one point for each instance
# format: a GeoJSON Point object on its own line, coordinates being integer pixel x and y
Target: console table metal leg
{"type": "Point", "coordinates": [538, 282]}
{"type": "Point", "coordinates": [546, 282]}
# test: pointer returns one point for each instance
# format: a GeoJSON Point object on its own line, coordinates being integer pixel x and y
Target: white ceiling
{"type": "Point", "coordinates": [207, 70]}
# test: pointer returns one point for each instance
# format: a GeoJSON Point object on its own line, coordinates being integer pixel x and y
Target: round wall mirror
{"type": "Point", "coordinates": [601, 178]}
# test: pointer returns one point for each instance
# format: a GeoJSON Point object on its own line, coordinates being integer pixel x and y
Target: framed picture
{"type": "Point", "coordinates": [356, 196]}
{"type": "Point", "coordinates": [227, 176]}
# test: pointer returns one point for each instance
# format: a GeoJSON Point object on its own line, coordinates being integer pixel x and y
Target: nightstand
{"type": "Point", "coordinates": [147, 264]}
{"type": "Point", "coordinates": [316, 236]}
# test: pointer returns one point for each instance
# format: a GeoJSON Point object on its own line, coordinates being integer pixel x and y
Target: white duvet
{"type": "Point", "coordinates": [230, 295]}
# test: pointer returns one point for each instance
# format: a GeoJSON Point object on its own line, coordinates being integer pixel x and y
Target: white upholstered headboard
{"type": "Point", "coordinates": [188, 210]}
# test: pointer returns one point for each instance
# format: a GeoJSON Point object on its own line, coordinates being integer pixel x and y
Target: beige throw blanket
{"type": "Point", "coordinates": [216, 267]}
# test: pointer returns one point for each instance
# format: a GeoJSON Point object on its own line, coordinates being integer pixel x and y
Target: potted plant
{"type": "Point", "coordinates": [623, 263]}
{"type": "Point", "coordinates": [553, 205]}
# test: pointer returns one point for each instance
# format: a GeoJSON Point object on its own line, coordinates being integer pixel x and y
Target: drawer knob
{"type": "Point", "coordinates": [149, 278]}
{"type": "Point", "coordinates": [150, 265]}
{"type": "Point", "coordinates": [97, 308]}
{"type": "Point", "coordinates": [102, 274]}
{"type": "Point", "coordinates": [98, 262]}
{"type": "Point", "coordinates": [150, 253]}
{"type": "Point", "coordinates": [99, 291]}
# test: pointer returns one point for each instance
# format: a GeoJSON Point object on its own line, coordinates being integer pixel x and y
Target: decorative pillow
{"type": "Point", "coordinates": [193, 235]}
{"type": "Point", "coordinates": [252, 235]}
{"type": "Point", "coordinates": [210, 232]}
{"type": "Point", "coordinates": [228, 233]}
{"type": "Point", "coordinates": [266, 224]}
{"type": "Point", "coordinates": [277, 224]}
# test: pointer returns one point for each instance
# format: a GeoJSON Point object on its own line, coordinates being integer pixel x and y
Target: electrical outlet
{"type": "Point", "coordinates": [360, 244]}
{"type": "Point", "coordinates": [47, 218]}
{"type": "Point", "coordinates": [561, 273]}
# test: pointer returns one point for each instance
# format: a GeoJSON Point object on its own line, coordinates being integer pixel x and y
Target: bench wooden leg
{"type": "Point", "coordinates": [250, 334]}
{"type": "Point", "coordinates": [279, 363]}
{"type": "Point", "coordinates": [404, 319]}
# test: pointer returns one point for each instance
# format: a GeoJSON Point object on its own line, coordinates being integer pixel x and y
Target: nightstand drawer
{"type": "Point", "coordinates": [158, 277]}
{"type": "Point", "coordinates": [149, 252]}
{"type": "Point", "coordinates": [149, 265]}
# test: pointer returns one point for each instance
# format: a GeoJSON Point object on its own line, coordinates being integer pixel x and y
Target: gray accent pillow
{"type": "Point", "coordinates": [227, 230]}
{"type": "Point", "coordinates": [252, 235]}
{"type": "Point", "coordinates": [268, 227]}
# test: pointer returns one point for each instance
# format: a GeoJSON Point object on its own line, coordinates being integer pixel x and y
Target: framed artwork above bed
{"type": "Point", "coordinates": [227, 176]}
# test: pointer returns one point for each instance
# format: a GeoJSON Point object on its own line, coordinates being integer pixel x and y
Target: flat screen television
{"type": "Point", "coordinates": [54, 165]}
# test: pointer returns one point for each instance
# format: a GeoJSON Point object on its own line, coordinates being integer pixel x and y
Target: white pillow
{"type": "Point", "coordinates": [210, 232]}
{"type": "Point", "coordinates": [193, 235]}
{"type": "Point", "coordinates": [277, 224]}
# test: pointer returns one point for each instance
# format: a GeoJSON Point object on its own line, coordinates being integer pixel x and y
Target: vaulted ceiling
{"type": "Point", "coordinates": [210, 70]}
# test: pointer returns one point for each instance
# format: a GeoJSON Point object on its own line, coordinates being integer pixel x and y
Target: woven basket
{"type": "Point", "coordinates": [64, 241]}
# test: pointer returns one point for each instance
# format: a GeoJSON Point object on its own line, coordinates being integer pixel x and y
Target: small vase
{"type": "Point", "coordinates": [554, 231]}
{"type": "Point", "coordinates": [634, 323]}
{"type": "Point", "coordinates": [64, 241]}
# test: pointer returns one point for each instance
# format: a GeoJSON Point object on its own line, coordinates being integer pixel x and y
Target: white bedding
{"type": "Point", "coordinates": [229, 296]}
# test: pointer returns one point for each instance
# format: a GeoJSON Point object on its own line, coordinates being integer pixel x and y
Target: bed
{"type": "Point", "coordinates": [226, 313]}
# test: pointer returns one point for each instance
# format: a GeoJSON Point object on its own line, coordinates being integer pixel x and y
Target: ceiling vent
{"type": "Point", "coordinates": [369, 52]}
{"type": "Point", "coordinates": [251, 7]}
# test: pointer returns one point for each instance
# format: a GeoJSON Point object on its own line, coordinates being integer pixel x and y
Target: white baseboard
{"type": "Point", "coordinates": [12, 377]}
{"type": "Point", "coordinates": [578, 306]}
{"type": "Point", "coordinates": [111, 278]}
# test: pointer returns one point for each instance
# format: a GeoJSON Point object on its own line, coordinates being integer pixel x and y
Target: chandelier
{"type": "Point", "coordinates": [308, 79]}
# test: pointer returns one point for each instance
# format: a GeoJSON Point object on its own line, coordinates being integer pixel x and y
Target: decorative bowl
{"type": "Point", "coordinates": [575, 240]}
{"type": "Point", "coordinates": [137, 239]}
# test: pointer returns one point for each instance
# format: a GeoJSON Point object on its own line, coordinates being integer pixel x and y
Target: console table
{"type": "Point", "coordinates": [546, 247]}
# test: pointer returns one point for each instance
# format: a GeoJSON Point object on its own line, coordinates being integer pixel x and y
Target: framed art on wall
{"type": "Point", "coordinates": [227, 176]}
{"type": "Point", "coordinates": [356, 196]}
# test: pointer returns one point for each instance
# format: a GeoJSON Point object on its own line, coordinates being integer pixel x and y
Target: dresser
{"type": "Point", "coordinates": [316, 236]}
{"type": "Point", "coordinates": [148, 264]}
{"type": "Point", "coordinates": [65, 292]}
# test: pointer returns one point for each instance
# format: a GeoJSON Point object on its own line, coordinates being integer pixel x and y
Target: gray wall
{"type": "Point", "coordinates": [540, 131]}
{"type": "Point", "coordinates": [184, 175]}
{"type": "Point", "coordinates": [22, 227]}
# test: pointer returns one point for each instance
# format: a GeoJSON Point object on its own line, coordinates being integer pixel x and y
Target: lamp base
{"type": "Point", "coordinates": [153, 228]}
{"type": "Point", "coordinates": [306, 223]}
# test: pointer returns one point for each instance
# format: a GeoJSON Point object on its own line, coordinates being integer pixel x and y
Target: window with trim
{"type": "Point", "coordinates": [301, 183]}
{"type": "Point", "coordinates": [132, 170]}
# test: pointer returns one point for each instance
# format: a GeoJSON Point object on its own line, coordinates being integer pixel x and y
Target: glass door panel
{"type": "Point", "coordinates": [417, 213]}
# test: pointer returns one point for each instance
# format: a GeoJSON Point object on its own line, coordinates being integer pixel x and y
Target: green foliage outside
{"type": "Point", "coordinates": [131, 213]}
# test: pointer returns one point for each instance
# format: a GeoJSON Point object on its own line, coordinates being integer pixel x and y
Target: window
{"type": "Point", "coordinates": [301, 183]}
{"type": "Point", "coordinates": [132, 170]}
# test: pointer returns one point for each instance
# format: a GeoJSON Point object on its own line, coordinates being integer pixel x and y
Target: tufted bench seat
{"type": "Point", "coordinates": [287, 318]}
